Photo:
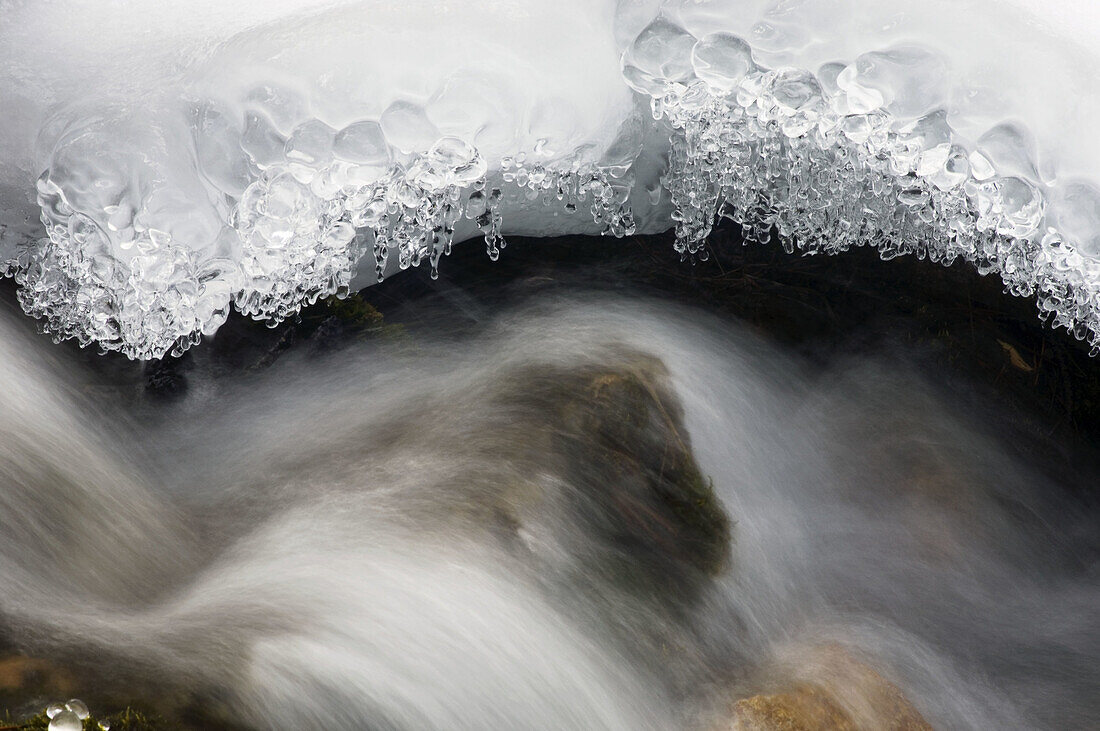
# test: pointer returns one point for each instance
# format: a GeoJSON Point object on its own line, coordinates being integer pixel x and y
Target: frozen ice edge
{"type": "Point", "coordinates": [852, 154]}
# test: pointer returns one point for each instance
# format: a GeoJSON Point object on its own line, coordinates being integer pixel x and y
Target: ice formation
{"type": "Point", "coordinates": [294, 150]}
{"type": "Point", "coordinates": [67, 716]}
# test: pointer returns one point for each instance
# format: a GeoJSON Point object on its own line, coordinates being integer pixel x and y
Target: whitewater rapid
{"type": "Point", "coordinates": [401, 538]}
{"type": "Point", "coordinates": [188, 160]}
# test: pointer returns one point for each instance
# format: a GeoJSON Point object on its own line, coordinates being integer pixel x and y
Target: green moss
{"type": "Point", "coordinates": [352, 311]}
{"type": "Point", "coordinates": [352, 316]}
{"type": "Point", "coordinates": [128, 719]}
{"type": "Point", "coordinates": [329, 324]}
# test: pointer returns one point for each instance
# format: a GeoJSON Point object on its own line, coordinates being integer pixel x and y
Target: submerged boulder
{"type": "Point", "coordinates": [805, 708]}
{"type": "Point", "coordinates": [621, 427]}
{"type": "Point", "coordinates": [589, 477]}
{"type": "Point", "coordinates": [584, 464]}
{"type": "Point", "coordinates": [25, 680]}
{"type": "Point", "coordinates": [830, 689]}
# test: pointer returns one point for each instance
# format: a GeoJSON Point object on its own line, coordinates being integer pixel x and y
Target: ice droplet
{"type": "Point", "coordinates": [660, 54]}
{"type": "Point", "coordinates": [78, 707]}
{"type": "Point", "coordinates": [407, 127]}
{"type": "Point", "coordinates": [66, 721]}
{"type": "Point", "coordinates": [363, 143]}
{"type": "Point", "coordinates": [722, 60]}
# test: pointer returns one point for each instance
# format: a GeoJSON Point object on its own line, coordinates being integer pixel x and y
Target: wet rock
{"type": "Point", "coordinates": [604, 502]}
{"type": "Point", "coordinates": [31, 686]}
{"type": "Point", "coordinates": [586, 469]}
{"type": "Point", "coordinates": [593, 458]}
{"type": "Point", "coordinates": [27, 681]}
{"type": "Point", "coordinates": [19, 671]}
{"type": "Point", "coordinates": [805, 708]}
{"type": "Point", "coordinates": [128, 719]}
{"type": "Point", "coordinates": [330, 324]}
{"type": "Point", "coordinates": [165, 379]}
{"type": "Point", "coordinates": [333, 323]}
{"type": "Point", "coordinates": [625, 428]}
{"type": "Point", "coordinates": [577, 474]}
{"type": "Point", "coordinates": [830, 688]}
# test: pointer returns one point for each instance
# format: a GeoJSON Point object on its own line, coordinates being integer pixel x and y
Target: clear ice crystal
{"type": "Point", "coordinates": [722, 60]}
{"type": "Point", "coordinates": [66, 721]}
{"type": "Point", "coordinates": [297, 213]}
{"type": "Point", "coordinates": [155, 227]}
{"type": "Point", "coordinates": [660, 54]}
{"type": "Point", "coordinates": [79, 707]}
{"type": "Point", "coordinates": [862, 156]}
{"type": "Point", "coordinates": [67, 716]}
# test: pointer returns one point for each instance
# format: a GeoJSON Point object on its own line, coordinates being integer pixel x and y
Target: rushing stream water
{"type": "Point", "coordinates": [573, 506]}
{"type": "Point", "coordinates": [476, 532]}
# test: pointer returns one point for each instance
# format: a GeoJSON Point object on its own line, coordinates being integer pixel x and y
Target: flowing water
{"type": "Point", "coordinates": [428, 532]}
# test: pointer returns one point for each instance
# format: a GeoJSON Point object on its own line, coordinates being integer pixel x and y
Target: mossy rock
{"type": "Point", "coordinates": [614, 430]}
{"type": "Point", "coordinates": [631, 424]}
{"type": "Point", "coordinates": [125, 720]}
{"type": "Point", "coordinates": [334, 321]}
{"type": "Point", "coordinates": [244, 344]}
{"type": "Point", "coordinates": [602, 443]}
{"type": "Point", "coordinates": [28, 684]}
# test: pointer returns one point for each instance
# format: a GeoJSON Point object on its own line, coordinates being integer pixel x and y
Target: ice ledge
{"type": "Point", "coordinates": [161, 213]}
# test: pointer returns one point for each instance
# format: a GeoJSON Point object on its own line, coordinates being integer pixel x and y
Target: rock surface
{"type": "Point", "coordinates": [831, 690]}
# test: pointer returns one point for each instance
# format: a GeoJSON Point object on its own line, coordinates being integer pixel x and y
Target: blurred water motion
{"type": "Point", "coordinates": [597, 512]}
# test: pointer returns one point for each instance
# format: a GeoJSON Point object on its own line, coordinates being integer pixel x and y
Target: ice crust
{"type": "Point", "coordinates": [272, 155]}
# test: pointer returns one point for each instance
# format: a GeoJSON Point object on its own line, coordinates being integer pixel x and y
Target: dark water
{"type": "Point", "coordinates": [471, 513]}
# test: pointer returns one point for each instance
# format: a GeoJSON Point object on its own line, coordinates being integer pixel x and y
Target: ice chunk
{"type": "Point", "coordinates": [310, 145]}
{"type": "Point", "coordinates": [131, 233]}
{"type": "Point", "coordinates": [1077, 203]}
{"type": "Point", "coordinates": [661, 53]}
{"type": "Point", "coordinates": [722, 60]}
{"type": "Point", "coordinates": [363, 143]}
{"type": "Point", "coordinates": [906, 80]}
{"type": "Point", "coordinates": [78, 707]}
{"type": "Point", "coordinates": [66, 721]}
{"type": "Point", "coordinates": [1010, 150]}
{"type": "Point", "coordinates": [407, 127]}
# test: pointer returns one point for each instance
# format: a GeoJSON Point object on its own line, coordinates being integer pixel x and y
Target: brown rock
{"type": "Point", "coordinates": [21, 672]}
{"type": "Point", "coordinates": [806, 708]}
{"type": "Point", "coordinates": [828, 688]}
